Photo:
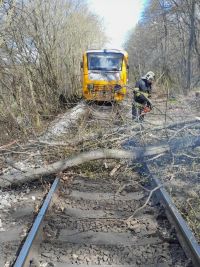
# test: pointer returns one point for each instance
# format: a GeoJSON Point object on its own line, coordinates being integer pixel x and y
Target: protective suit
{"type": "Point", "coordinates": [142, 93]}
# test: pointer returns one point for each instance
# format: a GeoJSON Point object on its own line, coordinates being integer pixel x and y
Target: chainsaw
{"type": "Point", "coordinates": [145, 110]}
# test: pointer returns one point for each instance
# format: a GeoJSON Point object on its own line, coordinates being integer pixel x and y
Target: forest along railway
{"type": "Point", "coordinates": [89, 223]}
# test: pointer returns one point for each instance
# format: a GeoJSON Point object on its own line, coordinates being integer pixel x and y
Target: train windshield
{"type": "Point", "coordinates": [102, 61]}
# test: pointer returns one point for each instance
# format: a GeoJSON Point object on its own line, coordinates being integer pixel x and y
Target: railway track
{"type": "Point", "coordinates": [86, 225]}
{"type": "Point", "coordinates": [87, 222]}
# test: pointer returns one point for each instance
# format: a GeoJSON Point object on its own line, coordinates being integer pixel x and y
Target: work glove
{"type": "Point", "coordinates": [136, 90]}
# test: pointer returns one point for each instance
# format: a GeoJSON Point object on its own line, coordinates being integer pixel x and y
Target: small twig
{"type": "Point", "coordinates": [147, 201]}
{"type": "Point", "coordinates": [192, 133]}
{"type": "Point", "coordinates": [178, 131]}
{"type": "Point", "coordinates": [155, 157]}
{"type": "Point", "coordinates": [186, 155]}
{"type": "Point", "coordinates": [9, 144]}
{"type": "Point", "coordinates": [54, 143]}
{"type": "Point", "coordinates": [131, 184]}
{"type": "Point", "coordinates": [164, 114]}
{"type": "Point", "coordinates": [116, 168]}
{"type": "Point", "coordinates": [7, 152]}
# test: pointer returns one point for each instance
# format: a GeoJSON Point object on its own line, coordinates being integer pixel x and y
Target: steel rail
{"type": "Point", "coordinates": [184, 234]}
{"type": "Point", "coordinates": [23, 255]}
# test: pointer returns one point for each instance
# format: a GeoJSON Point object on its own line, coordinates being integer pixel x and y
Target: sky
{"type": "Point", "coordinates": [119, 17]}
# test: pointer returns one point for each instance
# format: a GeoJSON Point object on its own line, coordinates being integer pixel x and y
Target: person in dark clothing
{"type": "Point", "coordinates": [142, 93]}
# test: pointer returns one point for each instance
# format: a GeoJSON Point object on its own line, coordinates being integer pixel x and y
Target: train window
{"type": "Point", "coordinates": [105, 61]}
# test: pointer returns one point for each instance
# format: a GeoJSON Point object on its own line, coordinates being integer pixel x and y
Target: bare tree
{"type": "Point", "coordinates": [167, 40]}
{"type": "Point", "coordinates": [42, 43]}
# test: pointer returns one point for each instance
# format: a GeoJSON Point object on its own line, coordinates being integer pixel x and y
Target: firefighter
{"type": "Point", "coordinates": [142, 93]}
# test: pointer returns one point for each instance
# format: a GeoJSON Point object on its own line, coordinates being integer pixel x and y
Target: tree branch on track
{"type": "Point", "coordinates": [59, 166]}
{"type": "Point", "coordinates": [145, 204]}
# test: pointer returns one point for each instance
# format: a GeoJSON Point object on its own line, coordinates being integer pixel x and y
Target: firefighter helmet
{"type": "Point", "coordinates": [150, 76]}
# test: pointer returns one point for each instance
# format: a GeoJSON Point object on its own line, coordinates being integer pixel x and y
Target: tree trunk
{"type": "Point", "coordinates": [136, 153]}
{"type": "Point", "coordinates": [190, 45]}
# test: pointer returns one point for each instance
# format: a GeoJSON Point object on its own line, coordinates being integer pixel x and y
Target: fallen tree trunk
{"type": "Point", "coordinates": [135, 153]}
{"type": "Point", "coordinates": [59, 166]}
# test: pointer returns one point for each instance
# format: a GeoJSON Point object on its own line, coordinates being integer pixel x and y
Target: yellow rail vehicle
{"type": "Point", "coordinates": [105, 73]}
